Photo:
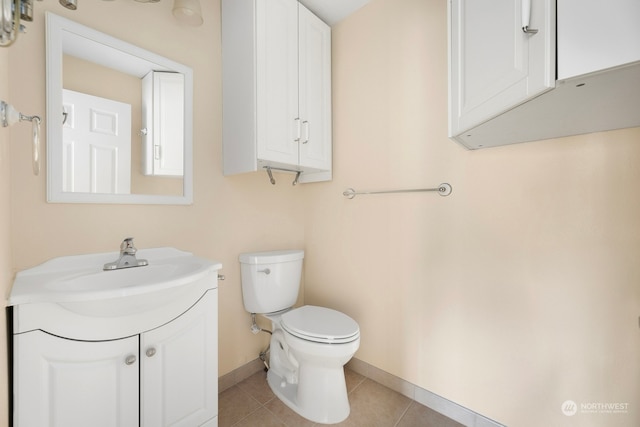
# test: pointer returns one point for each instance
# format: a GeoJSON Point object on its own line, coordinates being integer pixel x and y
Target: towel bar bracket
{"type": "Point", "coordinates": [269, 170]}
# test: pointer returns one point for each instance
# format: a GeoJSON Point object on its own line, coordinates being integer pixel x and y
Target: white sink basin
{"type": "Point", "coordinates": [160, 275]}
{"type": "Point", "coordinates": [76, 290]}
{"type": "Point", "coordinates": [81, 278]}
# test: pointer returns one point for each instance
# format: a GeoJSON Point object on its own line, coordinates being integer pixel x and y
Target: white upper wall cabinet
{"type": "Point", "coordinates": [597, 35]}
{"type": "Point", "coordinates": [276, 72]}
{"type": "Point", "coordinates": [505, 87]}
{"type": "Point", "coordinates": [163, 127]}
{"type": "Point", "coordinates": [495, 64]}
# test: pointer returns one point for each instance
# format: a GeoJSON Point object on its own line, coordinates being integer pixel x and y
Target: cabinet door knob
{"type": "Point", "coordinates": [151, 351]}
{"type": "Point", "coordinates": [130, 360]}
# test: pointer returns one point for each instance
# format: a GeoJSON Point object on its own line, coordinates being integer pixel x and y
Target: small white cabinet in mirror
{"type": "Point", "coordinates": [84, 165]}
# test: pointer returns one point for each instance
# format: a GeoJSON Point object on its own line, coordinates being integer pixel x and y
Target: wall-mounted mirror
{"type": "Point", "coordinates": [119, 120]}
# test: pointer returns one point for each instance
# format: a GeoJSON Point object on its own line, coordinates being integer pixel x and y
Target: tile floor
{"type": "Point", "coordinates": [251, 403]}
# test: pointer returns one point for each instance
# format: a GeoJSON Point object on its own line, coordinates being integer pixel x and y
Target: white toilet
{"type": "Point", "coordinates": [309, 345]}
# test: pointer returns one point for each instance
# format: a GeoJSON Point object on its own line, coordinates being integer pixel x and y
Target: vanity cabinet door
{"type": "Point", "coordinates": [61, 382]}
{"type": "Point", "coordinates": [494, 64]}
{"type": "Point", "coordinates": [179, 368]}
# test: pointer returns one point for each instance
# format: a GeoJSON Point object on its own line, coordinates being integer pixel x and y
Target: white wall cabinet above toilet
{"type": "Point", "coordinates": [276, 71]}
{"type": "Point", "coordinates": [504, 86]}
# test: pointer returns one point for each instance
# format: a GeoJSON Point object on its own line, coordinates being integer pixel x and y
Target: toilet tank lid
{"type": "Point", "coordinates": [270, 257]}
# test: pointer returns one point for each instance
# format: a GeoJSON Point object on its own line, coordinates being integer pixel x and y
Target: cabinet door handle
{"type": "Point", "coordinates": [151, 351]}
{"type": "Point", "coordinates": [306, 131]}
{"type": "Point", "coordinates": [130, 360]}
{"type": "Point", "coordinates": [297, 129]}
{"type": "Point", "coordinates": [526, 17]}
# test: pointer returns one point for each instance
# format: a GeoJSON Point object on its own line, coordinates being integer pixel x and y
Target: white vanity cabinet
{"type": "Point", "coordinates": [140, 350]}
{"type": "Point", "coordinates": [276, 70]}
{"type": "Point", "coordinates": [578, 73]}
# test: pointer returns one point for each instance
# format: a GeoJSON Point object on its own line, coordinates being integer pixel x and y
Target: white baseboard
{"type": "Point", "coordinates": [238, 375]}
{"type": "Point", "coordinates": [424, 397]}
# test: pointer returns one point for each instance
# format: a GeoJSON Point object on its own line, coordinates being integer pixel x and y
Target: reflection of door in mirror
{"type": "Point", "coordinates": [97, 144]}
{"type": "Point", "coordinates": [93, 79]}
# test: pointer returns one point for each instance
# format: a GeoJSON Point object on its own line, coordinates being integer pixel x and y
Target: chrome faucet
{"type": "Point", "coordinates": [127, 257]}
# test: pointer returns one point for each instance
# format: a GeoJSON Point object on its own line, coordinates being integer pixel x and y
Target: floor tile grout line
{"type": "Point", "coordinates": [403, 414]}
{"type": "Point", "coordinates": [283, 422]}
{"type": "Point", "coordinates": [362, 381]}
{"type": "Point", "coordinates": [260, 405]}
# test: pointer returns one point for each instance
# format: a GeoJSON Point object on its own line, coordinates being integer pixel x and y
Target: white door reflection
{"type": "Point", "coordinates": [97, 144]}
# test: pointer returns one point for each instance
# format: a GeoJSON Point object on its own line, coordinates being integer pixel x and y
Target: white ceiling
{"type": "Point", "coordinates": [333, 11]}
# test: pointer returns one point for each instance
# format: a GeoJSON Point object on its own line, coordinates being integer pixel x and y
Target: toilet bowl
{"type": "Point", "coordinates": [309, 345]}
{"type": "Point", "coordinates": [307, 364]}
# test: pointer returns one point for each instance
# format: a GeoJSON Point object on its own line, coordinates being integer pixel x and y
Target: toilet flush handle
{"type": "Point", "coordinates": [265, 271]}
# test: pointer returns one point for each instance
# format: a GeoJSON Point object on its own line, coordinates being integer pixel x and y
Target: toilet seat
{"type": "Point", "coordinates": [320, 324]}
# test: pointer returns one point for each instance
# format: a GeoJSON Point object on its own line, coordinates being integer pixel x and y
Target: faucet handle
{"type": "Point", "coordinates": [127, 246]}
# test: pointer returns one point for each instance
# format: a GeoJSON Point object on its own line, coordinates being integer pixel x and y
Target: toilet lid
{"type": "Point", "coordinates": [320, 324]}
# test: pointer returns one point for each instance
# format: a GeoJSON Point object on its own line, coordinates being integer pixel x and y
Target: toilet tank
{"type": "Point", "coordinates": [270, 280]}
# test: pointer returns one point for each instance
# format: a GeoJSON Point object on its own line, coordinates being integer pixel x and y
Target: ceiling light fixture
{"type": "Point", "coordinates": [70, 4]}
{"type": "Point", "coordinates": [186, 11]}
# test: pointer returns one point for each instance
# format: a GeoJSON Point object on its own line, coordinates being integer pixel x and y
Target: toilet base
{"type": "Point", "coordinates": [314, 404]}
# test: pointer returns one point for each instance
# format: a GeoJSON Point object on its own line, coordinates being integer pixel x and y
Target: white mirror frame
{"type": "Point", "coordinates": [59, 30]}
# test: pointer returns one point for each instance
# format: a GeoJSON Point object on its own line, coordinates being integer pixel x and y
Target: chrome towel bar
{"type": "Point", "coordinates": [443, 189]}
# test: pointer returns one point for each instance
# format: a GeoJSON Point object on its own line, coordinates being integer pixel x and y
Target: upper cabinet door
{"type": "Point", "coordinates": [315, 91]}
{"type": "Point", "coordinates": [163, 111]}
{"type": "Point", "coordinates": [277, 80]}
{"type": "Point", "coordinates": [595, 36]}
{"type": "Point", "coordinates": [494, 64]}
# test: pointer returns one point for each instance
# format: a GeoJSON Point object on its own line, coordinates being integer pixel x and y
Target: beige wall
{"type": "Point", "coordinates": [229, 215]}
{"type": "Point", "coordinates": [516, 293]}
